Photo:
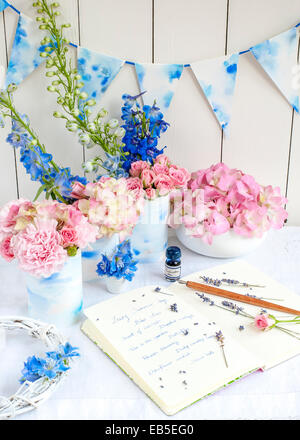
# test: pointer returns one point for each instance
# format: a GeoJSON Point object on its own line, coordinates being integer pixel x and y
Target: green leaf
{"type": "Point", "coordinates": [39, 192]}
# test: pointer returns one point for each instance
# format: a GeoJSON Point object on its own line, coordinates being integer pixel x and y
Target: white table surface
{"type": "Point", "coordinates": [97, 389]}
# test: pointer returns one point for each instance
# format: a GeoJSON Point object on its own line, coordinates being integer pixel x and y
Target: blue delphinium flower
{"type": "Point", "coordinates": [143, 128]}
{"type": "Point", "coordinates": [63, 353]}
{"type": "Point", "coordinates": [54, 363]}
{"type": "Point", "coordinates": [38, 164]}
{"type": "Point", "coordinates": [120, 265]}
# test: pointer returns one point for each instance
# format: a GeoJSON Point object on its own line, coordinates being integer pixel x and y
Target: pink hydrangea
{"type": "Point", "coordinates": [112, 206]}
{"type": "Point", "coordinates": [228, 199]}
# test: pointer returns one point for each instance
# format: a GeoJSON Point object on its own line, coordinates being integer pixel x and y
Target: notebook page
{"type": "Point", "coordinates": [272, 347]}
{"type": "Point", "coordinates": [173, 356]}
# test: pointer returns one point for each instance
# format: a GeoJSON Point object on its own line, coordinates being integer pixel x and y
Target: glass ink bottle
{"type": "Point", "coordinates": [173, 264]}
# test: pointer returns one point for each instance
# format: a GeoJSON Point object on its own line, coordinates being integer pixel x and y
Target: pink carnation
{"type": "Point", "coordinates": [38, 249]}
{"type": "Point", "coordinates": [6, 250]}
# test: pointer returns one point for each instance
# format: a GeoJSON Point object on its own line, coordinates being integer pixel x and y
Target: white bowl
{"type": "Point", "coordinates": [228, 245]}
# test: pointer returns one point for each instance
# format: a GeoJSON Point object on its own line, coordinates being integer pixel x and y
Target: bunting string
{"type": "Point", "coordinates": [216, 77]}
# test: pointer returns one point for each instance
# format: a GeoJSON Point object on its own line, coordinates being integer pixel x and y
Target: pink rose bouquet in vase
{"type": "Point", "coordinates": [114, 209]}
{"type": "Point", "coordinates": [46, 239]}
{"type": "Point", "coordinates": [226, 213]}
{"type": "Point", "coordinates": [155, 183]}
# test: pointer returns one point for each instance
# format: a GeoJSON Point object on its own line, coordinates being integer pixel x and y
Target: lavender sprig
{"type": "Point", "coordinates": [218, 282]}
{"type": "Point", "coordinates": [233, 308]}
{"type": "Point", "coordinates": [220, 339]}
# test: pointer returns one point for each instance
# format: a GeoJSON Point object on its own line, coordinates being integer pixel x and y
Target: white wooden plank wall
{"type": "Point", "coordinates": [264, 138]}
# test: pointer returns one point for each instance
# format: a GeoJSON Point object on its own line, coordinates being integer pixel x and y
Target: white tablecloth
{"type": "Point", "coordinates": [97, 389]}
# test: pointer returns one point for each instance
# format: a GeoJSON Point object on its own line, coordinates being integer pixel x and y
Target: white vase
{"type": "Point", "coordinates": [58, 298]}
{"type": "Point", "coordinates": [114, 285]}
{"type": "Point", "coordinates": [228, 245]}
{"type": "Point", "coordinates": [91, 255]}
{"type": "Point", "coordinates": [150, 235]}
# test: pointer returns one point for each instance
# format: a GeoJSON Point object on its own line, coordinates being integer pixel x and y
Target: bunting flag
{"type": "Point", "coordinates": [217, 78]}
{"type": "Point", "coordinates": [25, 56]}
{"type": "Point", "coordinates": [97, 71]}
{"type": "Point", "coordinates": [159, 81]}
{"type": "Point", "coordinates": [3, 5]}
{"type": "Point", "coordinates": [278, 56]}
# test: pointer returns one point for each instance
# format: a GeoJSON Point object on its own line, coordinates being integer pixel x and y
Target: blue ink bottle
{"type": "Point", "coordinates": [173, 264]}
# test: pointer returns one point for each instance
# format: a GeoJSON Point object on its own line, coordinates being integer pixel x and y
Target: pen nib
{"type": "Point", "coordinates": [182, 282]}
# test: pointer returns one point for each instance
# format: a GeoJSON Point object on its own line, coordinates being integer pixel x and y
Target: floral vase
{"type": "Point", "coordinates": [58, 298]}
{"type": "Point", "coordinates": [114, 285]}
{"type": "Point", "coordinates": [228, 245]}
{"type": "Point", "coordinates": [91, 255]}
{"type": "Point", "coordinates": [150, 235]}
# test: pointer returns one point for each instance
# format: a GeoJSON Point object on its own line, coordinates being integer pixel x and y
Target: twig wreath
{"type": "Point", "coordinates": [41, 376]}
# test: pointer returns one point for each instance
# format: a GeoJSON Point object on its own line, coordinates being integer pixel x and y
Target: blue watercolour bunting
{"type": "Point", "coordinates": [278, 56]}
{"type": "Point", "coordinates": [217, 78]}
{"type": "Point", "coordinates": [25, 56]}
{"type": "Point", "coordinates": [159, 81]}
{"type": "Point", "coordinates": [97, 71]}
{"type": "Point", "coordinates": [3, 5]}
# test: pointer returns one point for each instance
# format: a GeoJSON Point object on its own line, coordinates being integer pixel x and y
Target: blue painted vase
{"type": "Point", "coordinates": [91, 255]}
{"type": "Point", "coordinates": [150, 235]}
{"type": "Point", "coordinates": [57, 299]}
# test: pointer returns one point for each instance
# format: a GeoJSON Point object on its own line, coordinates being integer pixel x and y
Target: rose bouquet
{"type": "Point", "coordinates": [157, 180]}
{"type": "Point", "coordinates": [220, 199]}
{"type": "Point", "coordinates": [41, 236]}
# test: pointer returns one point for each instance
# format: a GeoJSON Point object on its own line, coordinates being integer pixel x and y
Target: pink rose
{"type": "Point", "coordinates": [147, 178]}
{"type": "Point", "coordinates": [164, 184]}
{"type": "Point", "coordinates": [137, 167]}
{"type": "Point", "coordinates": [162, 159]}
{"type": "Point", "coordinates": [6, 249]}
{"type": "Point", "coordinates": [150, 193]}
{"type": "Point", "coordinates": [179, 176]}
{"type": "Point", "coordinates": [159, 168]}
{"type": "Point", "coordinates": [69, 237]}
{"type": "Point", "coordinates": [263, 321]}
{"type": "Point", "coordinates": [134, 184]}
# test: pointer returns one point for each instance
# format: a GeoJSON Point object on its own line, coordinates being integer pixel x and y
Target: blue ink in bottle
{"type": "Point", "coordinates": [173, 264]}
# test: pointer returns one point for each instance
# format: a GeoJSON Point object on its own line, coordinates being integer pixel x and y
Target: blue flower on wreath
{"type": "Point", "coordinates": [55, 362]}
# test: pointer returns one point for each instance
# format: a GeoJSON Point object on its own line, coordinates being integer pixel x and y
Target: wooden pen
{"type": "Point", "coordinates": [238, 297]}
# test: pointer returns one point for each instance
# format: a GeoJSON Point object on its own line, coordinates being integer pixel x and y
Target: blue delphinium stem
{"type": "Point", "coordinates": [143, 127]}
{"type": "Point", "coordinates": [55, 181]}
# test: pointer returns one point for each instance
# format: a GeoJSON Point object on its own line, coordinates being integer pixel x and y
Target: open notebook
{"type": "Point", "coordinates": [174, 356]}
